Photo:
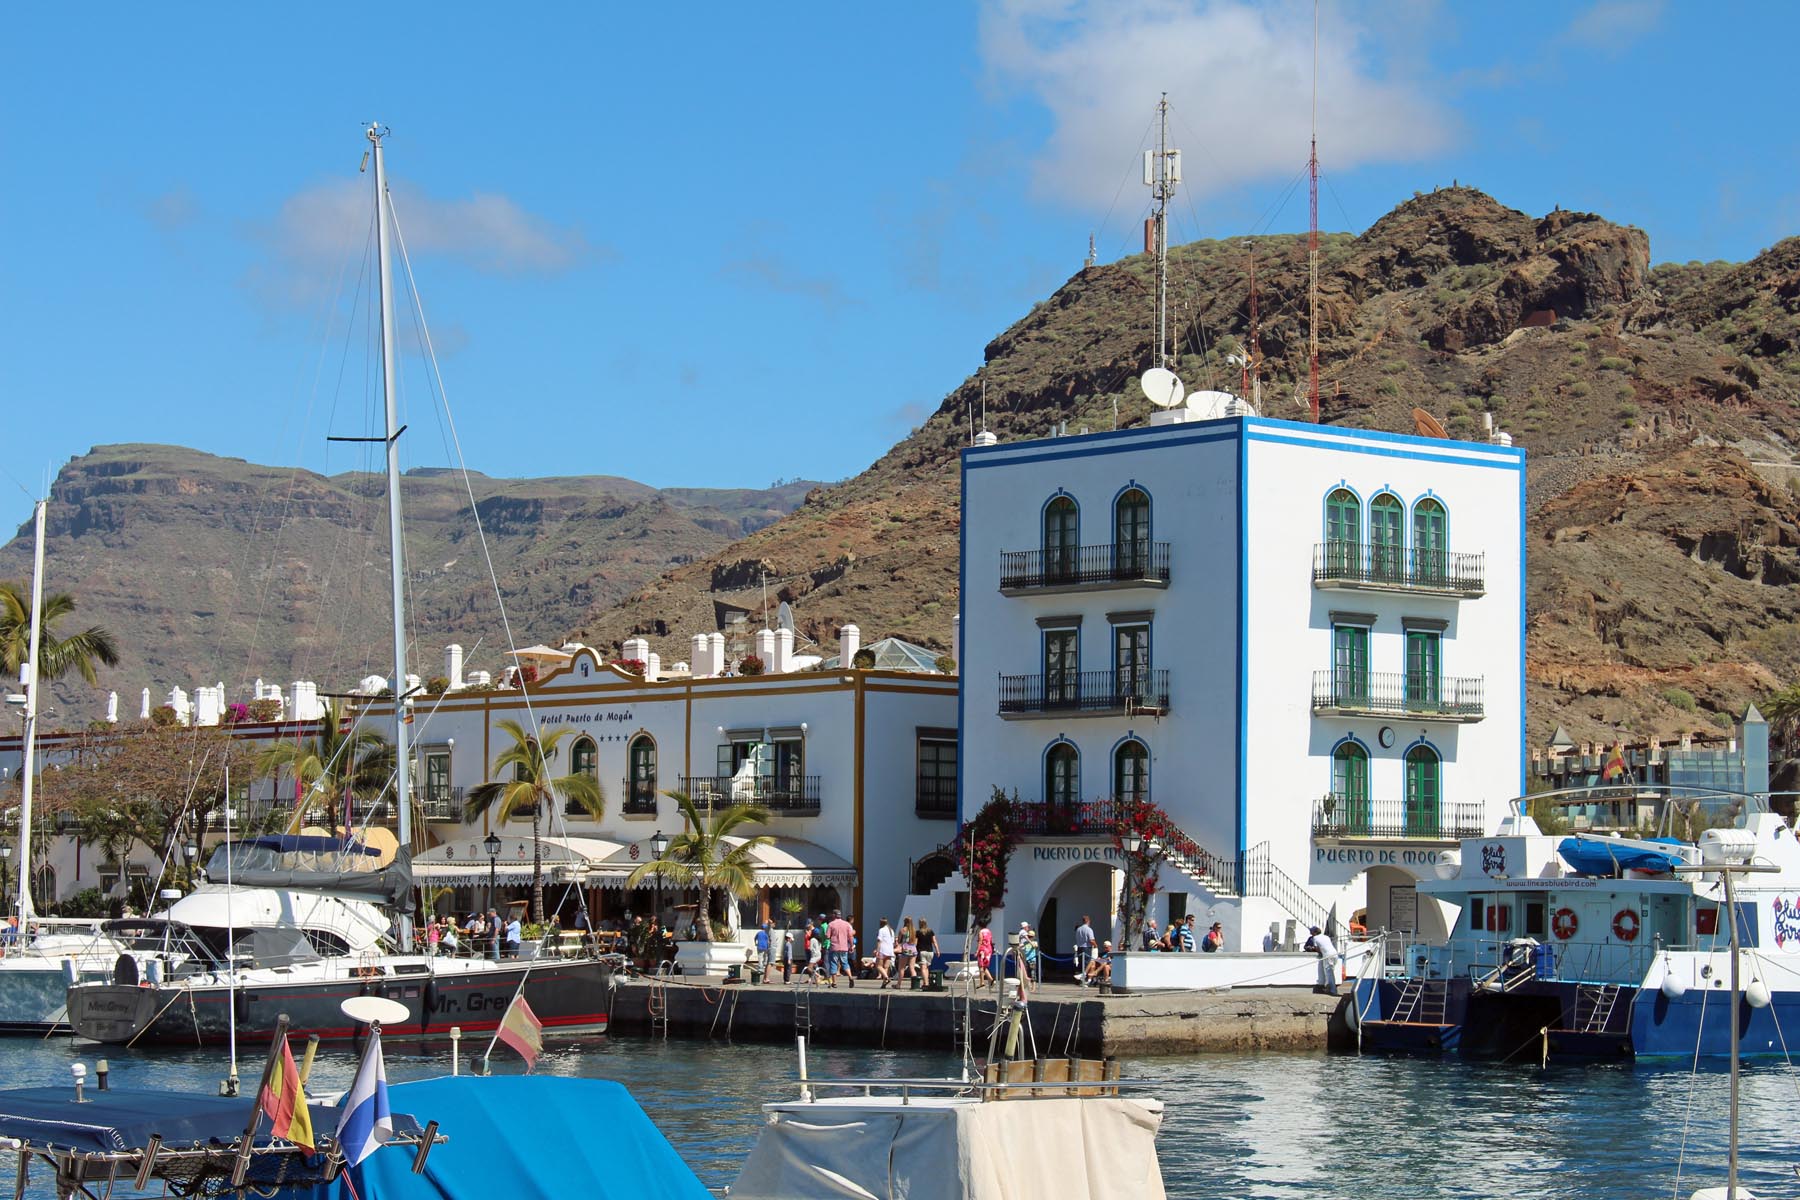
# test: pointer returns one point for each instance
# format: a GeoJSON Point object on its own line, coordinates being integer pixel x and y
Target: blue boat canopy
{"type": "Point", "coordinates": [523, 1135]}
{"type": "Point", "coordinates": [1602, 856]}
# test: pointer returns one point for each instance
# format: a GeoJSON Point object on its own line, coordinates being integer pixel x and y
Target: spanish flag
{"type": "Point", "coordinates": [285, 1102]}
{"type": "Point", "coordinates": [521, 1029]}
{"type": "Point", "coordinates": [1615, 763]}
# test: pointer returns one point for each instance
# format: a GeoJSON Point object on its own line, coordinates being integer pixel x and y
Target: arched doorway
{"type": "Point", "coordinates": [1081, 891]}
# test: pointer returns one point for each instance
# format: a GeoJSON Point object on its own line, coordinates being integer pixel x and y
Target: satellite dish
{"type": "Point", "coordinates": [1427, 425]}
{"type": "Point", "coordinates": [1210, 405]}
{"type": "Point", "coordinates": [373, 1010]}
{"type": "Point", "coordinates": [784, 617]}
{"type": "Point", "coordinates": [1163, 387]}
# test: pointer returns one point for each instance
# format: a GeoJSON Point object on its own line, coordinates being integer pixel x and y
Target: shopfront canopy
{"type": "Point", "coordinates": [608, 860]}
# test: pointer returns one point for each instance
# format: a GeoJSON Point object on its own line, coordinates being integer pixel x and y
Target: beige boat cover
{"type": "Point", "coordinates": [1099, 1148]}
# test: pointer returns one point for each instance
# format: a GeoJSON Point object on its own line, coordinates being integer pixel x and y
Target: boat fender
{"type": "Point", "coordinates": [1673, 987]}
{"type": "Point", "coordinates": [429, 1007]}
{"type": "Point", "coordinates": [1757, 994]}
{"type": "Point", "coordinates": [1625, 924]}
{"type": "Point", "coordinates": [240, 1003]}
{"type": "Point", "coordinates": [1564, 923]}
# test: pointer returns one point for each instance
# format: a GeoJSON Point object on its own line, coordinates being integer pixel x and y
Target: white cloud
{"type": "Point", "coordinates": [1610, 26]}
{"type": "Point", "coordinates": [489, 232]}
{"type": "Point", "coordinates": [1239, 78]}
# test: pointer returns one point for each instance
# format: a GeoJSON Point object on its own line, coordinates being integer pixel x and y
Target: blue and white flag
{"type": "Point", "coordinates": [366, 1123]}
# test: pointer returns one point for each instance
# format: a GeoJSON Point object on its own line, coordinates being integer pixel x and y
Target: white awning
{"type": "Point", "coordinates": [607, 861]}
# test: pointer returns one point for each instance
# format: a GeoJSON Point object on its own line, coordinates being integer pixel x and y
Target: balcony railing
{"type": "Point", "coordinates": [1094, 693]}
{"type": "Point", "coordinates": [934, 796]}
{"type": "Point", "coordinates": [1064, 818]}
{"type": "Point", "coordinates": [1361, 565]}
{"type": "Point", "coordinates": [637, 797]}
{"type": "Point", "coordinates": [783, 795]}
{"type": "Point", "coordinates": [442, 804]}
{"type": "Point", "coordinates": [1397, 694]}
{"type": "Point", "coordinates": [1125, 564]}
{"type": "Point", "coordinates": [1396, 820]}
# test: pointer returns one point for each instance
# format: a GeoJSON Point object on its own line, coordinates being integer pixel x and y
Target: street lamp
{"type": "Point", "coordinates": [193, 852]}
{"type": "Point", "coordinates": [492, 842]}
{"type": "Point", "coordinates": [659, 845]}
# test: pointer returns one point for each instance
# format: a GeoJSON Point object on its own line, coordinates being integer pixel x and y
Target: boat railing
{"type": "Point", "coordinates": [980, 1089]}
{"type": "Point", "coordinates": [1682, 811]}
{"type": "Point", "coordinates": [1507, 965]}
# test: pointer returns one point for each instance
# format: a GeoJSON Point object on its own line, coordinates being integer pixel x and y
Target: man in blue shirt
{"type": "Point", "coordinates": [762, 947]}
{"type": "Point", "coordinates": [1184, 932]}
{"type": "Point", "coordinates": [512, 936]}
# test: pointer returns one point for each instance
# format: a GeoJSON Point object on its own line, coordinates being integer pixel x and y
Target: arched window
{"type": "Point", "coordinates": [1387, 536]}
{"type": "Point", "coordinates": [1429, 541]}
{"type": "Point", "coordinates": [1131, 534]}
{"type": "Point", "coordinates": [1343, 533]}
{"type": "Point", "coordinates": [640, 778]}
{"type": "Point", "coordinates": [1131, 772]}
{"type": "Point", "coordinates": [584, 759]}
{"type": "Point", "coordinates": [1062, 538]}
{"type": "Point", "coordinates": [43, 887]}
{"type": "Point", "coordinates": [1062, 776]}
{"type": "Point", "coordinates": [1348, 805]}
{"type": "Point", "coordinates": [1424, 791]}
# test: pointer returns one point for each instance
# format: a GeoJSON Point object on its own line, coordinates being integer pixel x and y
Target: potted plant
{"type": "Point", "coordinates": [703, 856]}
{"type": "Point", "coordinates": [750, 664]}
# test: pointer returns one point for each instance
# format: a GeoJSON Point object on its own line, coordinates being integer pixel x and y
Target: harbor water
{"type": "Point", "coordinates": [1272, 1125]}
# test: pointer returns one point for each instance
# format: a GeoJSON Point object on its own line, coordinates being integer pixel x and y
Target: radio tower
{"type": "Point", "coordinates": [1312, 233]}
{"type": "Point", "coordinates": [1162, 172]}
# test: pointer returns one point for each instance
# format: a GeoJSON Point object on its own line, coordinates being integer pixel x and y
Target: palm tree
{"type": "Point", "coordinates": [57, 656]}
{"type": "Point", "coordinates": [1782, 712]}
{"type": "Point", "coordinates": [701, 856]}
{"type": "Point", "coordinates": [333, 766]}
{"type": "Point", "coordinates": [533, 786]}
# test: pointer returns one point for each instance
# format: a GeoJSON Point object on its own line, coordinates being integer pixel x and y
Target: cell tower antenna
{"type": "Point", "coordinates": [1312, 233]}
{"type": "Point", "coordinates": [1093, 255]}
{"type": "Point", "coordinates": [1162, 173]}
{"type": "Point", "coordinates": [1254, 366]}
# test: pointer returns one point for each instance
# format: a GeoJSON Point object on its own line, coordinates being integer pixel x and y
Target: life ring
{"type": "Point", "coordinates": [1625, 925]}
{"type": "Point", "coordinates": [1564, 923]}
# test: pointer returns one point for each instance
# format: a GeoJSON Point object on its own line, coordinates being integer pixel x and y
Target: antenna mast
{"type": "Point", "coordinates": [1162, 172]}
{"type": "Point", "coordinates": [1255, 355]}
{"type": "Point", "coordinates": [1312, 233]}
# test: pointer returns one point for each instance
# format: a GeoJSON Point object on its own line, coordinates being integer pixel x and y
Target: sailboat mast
{"type": "Point", "coordinates": [28, 763]}
{"type": "Point", "coordinates": [1731, 1187]}
{"type": "Point", "coordinates": [402, 763]}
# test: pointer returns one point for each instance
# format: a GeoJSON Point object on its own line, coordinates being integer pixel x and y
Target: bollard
{"type": "Point", "coordinates": [455, 1049]}
{"type": "Point", "coordinates": [101, 1070]}
{"type": "Point", "coordinates": [79, 1071]}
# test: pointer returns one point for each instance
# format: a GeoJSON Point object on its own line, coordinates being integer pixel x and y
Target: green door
{"type": "Point", "coordinates": [1131, 535]}
{"type": "Point", "coordinates": [1343, 534]}
{"type": "Point", "coordinates": [1350, 666]}
{"type": "Point", "coordinates": [1386, 537]}
{"type": "Point", "coordinates": [1062, 522]}
{"type": "Point", "coordinates": [1424, 677]}
{"type": "Point", "coordinates": [1350, 790]}
{"type": "Point", "coordinates": [1430, 554]}
{"type": "Point", "coordinates": [1424, 790]}
{"type": "Point", "coordinates": [1062, 664]}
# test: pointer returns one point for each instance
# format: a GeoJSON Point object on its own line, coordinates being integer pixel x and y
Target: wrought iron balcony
{"type": "Point", "coordinates": [1084, 693]}
{"type": "Point", "coordinates": [638, 797]}
{"type": "Point", "coordinates": [1396, 694]}
{"type": "Point", "coordinates": [1361, 566]}
{"type": "Point", "coordinates": [782, 795]}
{"type": "Point", "coordinates": [442, 804]}
{"type": "Point", "coordinates": [1065, 818]}
{"type": "Point", "coordinates": [1085, 568]}
{"type": "Point", "coordinates": [1345, 818]}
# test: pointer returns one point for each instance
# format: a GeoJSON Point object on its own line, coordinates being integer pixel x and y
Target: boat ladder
{"type": "Point", "coordinates": [1422, 1002]}
{"type": "Point", "coordinates": [659, 1002]}
{"type": "Point", "coordinates": [803, 1007]}
{"type": "Point", "coordinates": [1598, 1003]}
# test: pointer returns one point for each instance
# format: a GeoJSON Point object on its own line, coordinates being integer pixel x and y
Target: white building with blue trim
{"type": "Point", "coordinates": [1305, 643]}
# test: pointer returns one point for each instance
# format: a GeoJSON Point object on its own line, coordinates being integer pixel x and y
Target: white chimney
{"type": "Point", "coordinates": [984, 438]}
{"type": "Point", "coordinates": [956, 640]}
{"type": "Point", "coordinates": [480, 679]}
{"type": "Point", "coordinates": [207, 707]}
{"type": "Point", "coordinates": [637, 647]}
{"type": "Point", "coordinates": [849, 642]}
{"type": "Point", "coordinates": [256, 692]}
{"type": "Point", "coordinates": [112, 708]}
{"type": "Point", "coordinates": [715, 653]}
{"type": "Point", "coordinates": [178, 700]}
{"type": "Point", "coordinates": [784, 651]}
{"type": "Point", "coordinates": [652, 667]}
{"type": "Point", "coordinates": [145, 714]}
{"type": "Point", "coordinates": [765, 649]}
{"type": "Point", "coordinates": [700, 650]}
{"type": "Point", "coordinates": [453, 666]}
{"type": "Point", "coordinates": [306, 706]}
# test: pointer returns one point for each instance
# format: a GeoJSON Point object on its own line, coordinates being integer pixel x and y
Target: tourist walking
{"type": "Point", "coordinates": [764, 948]}
{"type": "Point", "coordinates": [1183, 938]}
{"type": "Point", "coordinates": [984, 954]}
{"type": "Point", "coordinates": [1214, 941]}
{"type": "Point", "coordinates": [927, 945]}
{"type": "Point", "coordinates": [496, 930]}
{"type": "Point", "coordinates": [1084, 949]}
{"type": "Point", "coordinates": [512, 936]}
{"type": "Point", "coordinates": [884, 953]}
{"type": "Point", "coordinates": [907, 949]}
{"type": "Point", "coordinates": [841, 935]}
{"type": "Point", "coordinates": [1150, 940]}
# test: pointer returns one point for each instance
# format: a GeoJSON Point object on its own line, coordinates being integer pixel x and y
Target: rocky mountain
{"type": "Point", "coordinates": [1660, 406]}
{"type": "Point", "coordinates": [214, 569]}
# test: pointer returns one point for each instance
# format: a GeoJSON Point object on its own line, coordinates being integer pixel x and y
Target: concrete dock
{"type": "Point", "coordinates": [1065, 1019]}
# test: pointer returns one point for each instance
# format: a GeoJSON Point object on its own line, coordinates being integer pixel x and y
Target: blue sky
{"type": "Point", "coordinates": [721, 244]}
